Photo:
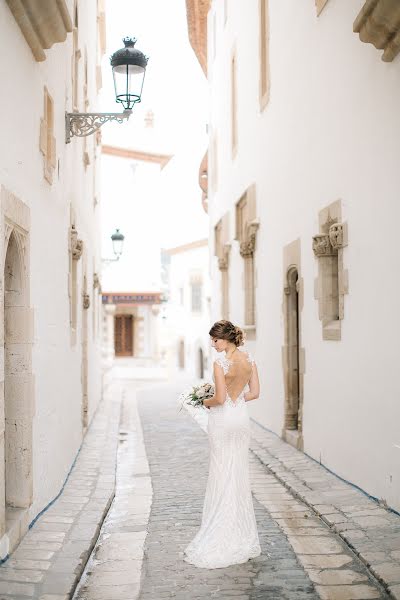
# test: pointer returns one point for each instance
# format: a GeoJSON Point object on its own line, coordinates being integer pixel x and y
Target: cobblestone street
{"type": "Point", "coordinates": [311, 548]}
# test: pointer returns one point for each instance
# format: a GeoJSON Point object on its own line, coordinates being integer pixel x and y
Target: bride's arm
{"type": "Point", "coordinates": [220, 388]}
{"type": "Point", "coordinates": [254, 386]}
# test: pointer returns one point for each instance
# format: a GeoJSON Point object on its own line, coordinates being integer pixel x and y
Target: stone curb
{"type": "Point", "coordinates": [341, 506]}
{"type": "Point", "coordinates": [115, 565]}
{"type": "Point", "coordinates": [50, 560]}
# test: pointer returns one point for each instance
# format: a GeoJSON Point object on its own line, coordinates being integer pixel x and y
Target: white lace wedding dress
{"type": "Point", "coordinates": [228, 533]}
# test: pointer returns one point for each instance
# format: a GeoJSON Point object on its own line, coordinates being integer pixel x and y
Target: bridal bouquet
{"type": "Point", "coordinates": [196, 395]}
{"type": "Point", "coordinates": [192, 400]}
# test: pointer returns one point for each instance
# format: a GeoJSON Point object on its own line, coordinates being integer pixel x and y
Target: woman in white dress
{"type": "Point", "coordinates": [228, 533]}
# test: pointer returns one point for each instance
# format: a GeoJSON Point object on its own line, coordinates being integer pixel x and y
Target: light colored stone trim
{"type": "Point", "coordinates": [378, 23]}
{"type": "Point", "coordinates": [320, 5]}
{"type": "Point", "coordinates": [222, 250]}
{"type": "Point", "coordinates": [293, 355]}
{"type": "Point", "coordinates": [47, 141]}
{"type": "Point", "coordinates": [246, 233]}
{"type": "Point", "coordinates": [332, 282]}
{"type": "Point", "coordinates": [101, 27]}
{"type": "Point", "coordinates": [42, 23]}
{"type": "Point", "coordinates": [160, 159]}
{"type": "Point", "coordinates": [17, 405]}
{"type": "Point", "coordinates": [264, 83]}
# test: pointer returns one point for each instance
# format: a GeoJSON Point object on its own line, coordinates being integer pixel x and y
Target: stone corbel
{"type": "Point", "coordinates": [223, 261]}
{"type": "Point", "coordinates": [378, 23]}
{"type": "Point", "coordinates": [336, 236]}
{"type": "Point", "coordinates": [322, 245]}
{"type": "Point", "coordinates": [41, 23]}
{"type": "Point", "coordinates": [96, 283]}
{"type": "Point", "coordinates": [86, 301]}
{"type": "Point", "coordinates": [76, 245]}
{"type": "Point", "coordinates": [248, 245]}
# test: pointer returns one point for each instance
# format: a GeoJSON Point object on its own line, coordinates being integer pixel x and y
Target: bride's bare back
{"type": "Point", "coordinates": [238, 375]}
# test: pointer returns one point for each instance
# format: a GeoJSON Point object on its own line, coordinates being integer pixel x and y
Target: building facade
{"type": "Point", "coordinates": [51, 310]}
{"type": "Point", "coordinates": [303, 204]}
{"type": "Point", "coordinates": [186, 314]}
{"type": "Point", "coordinates": [131, 327]}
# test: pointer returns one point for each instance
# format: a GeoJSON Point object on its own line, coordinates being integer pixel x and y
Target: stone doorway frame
{"type": "Point", "coordinates": [17, 385]}
{"type": "Point", "coordinates": [292, 431]}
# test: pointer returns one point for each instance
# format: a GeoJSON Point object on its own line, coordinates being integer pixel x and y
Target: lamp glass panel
{"type": "Point", "coordinates": [117, 247]}
{"type": "Point", "coordinates": [128, 83]}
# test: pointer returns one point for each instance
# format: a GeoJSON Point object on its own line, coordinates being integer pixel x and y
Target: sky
{"type": "Point", "coordinates": [153, 208]}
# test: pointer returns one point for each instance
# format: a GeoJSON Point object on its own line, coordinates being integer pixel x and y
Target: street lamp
{"type": "Point", "coordinates": [117, 239]}
{"type": "Point", "coordinates": [129, 68]}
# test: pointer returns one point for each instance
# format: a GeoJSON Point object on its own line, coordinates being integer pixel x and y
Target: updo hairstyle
{"type": "Point", "coordinates": [225, 330]}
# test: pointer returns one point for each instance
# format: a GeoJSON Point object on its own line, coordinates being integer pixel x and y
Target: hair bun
{"type": "Point", "coordinates": [239, 336]}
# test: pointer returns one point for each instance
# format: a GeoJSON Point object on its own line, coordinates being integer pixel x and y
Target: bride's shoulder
{"type": "Point", "coordinates": [248, 356]}
{"type": "Point", "coordinates": [222, 362]}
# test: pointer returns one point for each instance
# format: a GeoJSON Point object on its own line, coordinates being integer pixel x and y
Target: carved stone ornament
{"type": "Point", "coordinates": [96, 282]}
{"type": "Point", "coordinates": [223, 261]}
{"type": "Point", "coordinates": [76, 245]}
{"type": "Point", "coordinates": [336, 236]}
{"type": "Point", "coordinates": [223, 264]}
{"type": "Point", "coordinates": [322, 245]}
{"type": "Point", "coordinates": [378, 23]}
{"type": "Point", "coordinates": [248, 246]}
{"type": "Point", "coordinates": [86, 301]}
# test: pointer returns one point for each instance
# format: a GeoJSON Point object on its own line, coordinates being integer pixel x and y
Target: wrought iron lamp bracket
{"type": "Point", "coordinates": [83, 124]}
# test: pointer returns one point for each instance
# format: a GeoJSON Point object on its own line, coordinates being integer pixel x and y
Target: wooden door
{"type": "Point", "coordinates": [123, 335]}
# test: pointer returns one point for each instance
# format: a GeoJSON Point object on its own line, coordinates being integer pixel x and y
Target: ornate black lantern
{"type": "Point", "coordinates": [129, 68]}
{"type": "Point", "coordinates": [117, 239]}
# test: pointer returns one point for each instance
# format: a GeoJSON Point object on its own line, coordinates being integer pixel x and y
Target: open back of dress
{"type": "Point", "coordinates": [238, 375]}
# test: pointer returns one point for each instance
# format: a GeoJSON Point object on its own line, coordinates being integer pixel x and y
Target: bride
{"type": "Point", "coordinates": [228, 533]}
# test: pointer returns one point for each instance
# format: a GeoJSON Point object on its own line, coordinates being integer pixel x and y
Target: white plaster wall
{"type": "Point", "coordinates": [330, 131]}
{"type": "Point", "coordinates": [180, 321]}
{"type": "Point", "coordinates": [57, 429]}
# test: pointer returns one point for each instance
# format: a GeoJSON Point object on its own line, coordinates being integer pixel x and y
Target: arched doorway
{"type": "Point", "coordinates": [18, 388]}
{"type": "Point", "coordinates": [201, 364]}
{"type": "Point", "coordinates": [292, 374]}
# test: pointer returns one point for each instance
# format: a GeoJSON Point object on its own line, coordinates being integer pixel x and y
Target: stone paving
{"type": "Point", "coordinates": [178, 456]}
{"type": "Point", "coordinates": [49, 561]}
{"type": "Point", "coordinates": [318, 534]}
{"type": "Point", "coordinates": [114, 569]}
{"type": "Point", "coordinates": [370, 530]}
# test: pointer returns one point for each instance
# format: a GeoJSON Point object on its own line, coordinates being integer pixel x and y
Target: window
{"type": "Point", "coordinates": [264, 53]}
{"type": "Point", "coordinates": [197, 289]}
{"type": "Point", "coordinates": [332, 280]}
{"type": "Point", "coordinates": [47, 140]}
{"type": "Point", "coordinates": [222, 251]}
{"type": "Point", "coordinates": [246, 233]}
